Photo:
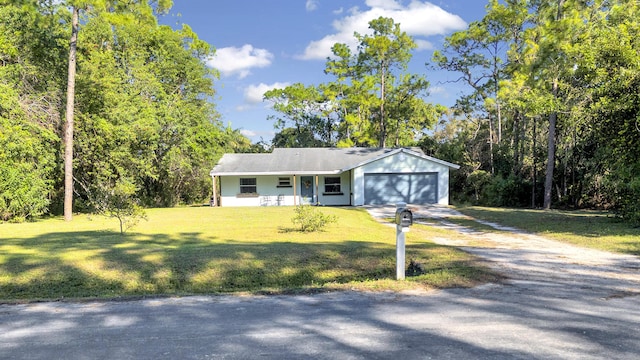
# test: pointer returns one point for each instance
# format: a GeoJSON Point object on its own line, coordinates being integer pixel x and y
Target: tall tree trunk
{"type": "Point", "coordinates": [383, 128]}
{"type": "Point", "coordinates": [499, 115]}
{"type": "Point", "coordinates": [68, 127]}
{"type": "Point", "coordinates": [493, 170]}
{"type": "Point", "coordinates": [535, 165]}
{"type": "Point", "coordinates": [515, 144]}
{"type": "Point", "coordinates": [397, 133]}
{"type": "Point", "coordinates": [496, 82]}
{"type": "Point", "coordinates": [551, 150]}
{"type": "Point", "coordinates": [551, 153]}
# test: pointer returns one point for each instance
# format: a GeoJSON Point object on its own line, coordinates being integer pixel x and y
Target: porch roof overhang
{"type": "Point", "coordinates": [274, 173]}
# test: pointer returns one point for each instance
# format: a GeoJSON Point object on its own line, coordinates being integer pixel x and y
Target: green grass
{"type": "Point", "coordinates": [592, 229]}
{"type": "Point", "coordinates": [202, 250]}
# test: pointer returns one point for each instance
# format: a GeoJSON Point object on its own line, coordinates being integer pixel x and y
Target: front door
{"type": "Point", "coordinates": [306, 190]}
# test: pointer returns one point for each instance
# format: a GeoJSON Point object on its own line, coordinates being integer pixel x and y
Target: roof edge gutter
{"type": "Point", "coordinates": [271, 173]}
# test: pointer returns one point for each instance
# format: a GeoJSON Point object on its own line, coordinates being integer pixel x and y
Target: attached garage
{"type": "Point", "coordinates": [391, 188]}
{"type": "Point", "coordinates": [401, 176]}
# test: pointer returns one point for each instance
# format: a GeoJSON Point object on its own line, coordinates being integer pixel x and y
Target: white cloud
{"type": "Point", "coordinates": [437, 90]}
{"type": "Point", "coordinates": [423, 44]}
{"type": "Point", "coordinates": [258, 135]}
{"type": "Point", "coordinates": [419, 19]}
{"type": "Point", "coordinates": [248, 133]}
{"type": "Point", "coordinates": [239, 61]}
{"type": "Point", "coordinates": [253, 94]}
{"type": "Point", "coordinates": [311, 5]}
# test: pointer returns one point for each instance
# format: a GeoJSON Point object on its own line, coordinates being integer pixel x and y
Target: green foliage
{"type": "Point", "coordinates": [23, 194]}
{"type": "Point", "coordinates": [628, 206]}
{"type": "Point", "coordinates": [26, 160]}
{"type": "Point", "coordinates": [296, 137]}
{"type": "Point", "coordinates": [373, 101]}
{"type": "Point", "coordinates": [610, 74]}
{"type": "Point", "coordinates": [509, 191]}
{"type": "Point", "coordinates": [623, 186]}
{"type": "Point", "coordinates": [478, 180]}
{"type": "Point", "coordinates": [311, 219]}
{"type": "Point", "coordinates": [553, 95]}
{"type": "Point", "coordinates": [117, 200]}
{"type": "Point", "coordinates": [148, 112]}
{"type": "Point", "coordinates": [142, 106]}
{"type": "Point", "coordinates": [305, 118]}
{"type": "Point", "coordinates": [29, 112]}
{"type": "Point", "coordinates": [143, 110]}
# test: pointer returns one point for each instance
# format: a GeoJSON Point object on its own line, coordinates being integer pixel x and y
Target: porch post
{"type": "Point", "coordinates": [214, 199]}
{"type": "Point", "coordinates": [294, 190]}
{"type": "Point", "coordinates": [317, 194]}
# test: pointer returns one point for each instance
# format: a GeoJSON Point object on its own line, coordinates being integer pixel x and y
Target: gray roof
{"type": "Point", "coordinates": [307, 161]}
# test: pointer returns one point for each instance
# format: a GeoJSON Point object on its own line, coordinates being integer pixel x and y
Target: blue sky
{"type": "Point", "coordinates": [261, 45]}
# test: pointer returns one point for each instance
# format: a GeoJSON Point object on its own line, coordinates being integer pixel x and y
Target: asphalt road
{"type": "Point", "coordinates": [560, 302]}
{"type": "Point", "coordinates": [488, 322]}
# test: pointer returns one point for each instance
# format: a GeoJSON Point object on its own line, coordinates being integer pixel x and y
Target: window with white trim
{"type": "Point", "coordinates": [332, 184]}
{"type": "Point", "coordinates": [248, 186]}
{"type": "Point", "coordinates": [284, 182]}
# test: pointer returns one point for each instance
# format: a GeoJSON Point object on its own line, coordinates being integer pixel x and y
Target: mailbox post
{"type": "Point", "coordinates": [404, 219]}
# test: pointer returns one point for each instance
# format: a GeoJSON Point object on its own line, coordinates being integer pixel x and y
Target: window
{"type": "Point", "coordinates": [332, 184]}
{"type": "Point", "coordinates": [284, 182]}
{"type": "Point", "coordinates": [248, 186]}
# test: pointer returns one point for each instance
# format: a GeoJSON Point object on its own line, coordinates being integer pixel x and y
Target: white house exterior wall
{"type": "Point", "coordinates": [269, 194]}
{"type": "Point", "coordinates": [393, 164]}
{"type": "Point", "coordinates": [345, 187]}
{"type": "Point", "coordinates": [266, 187]}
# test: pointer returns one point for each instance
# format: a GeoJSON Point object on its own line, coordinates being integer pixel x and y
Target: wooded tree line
{"type": "Point", "coordinates": [551, 116]}
{"type": "Point", "coordinates": [145, 125]}
{"type": "Point", "coordinates": [554, 113]}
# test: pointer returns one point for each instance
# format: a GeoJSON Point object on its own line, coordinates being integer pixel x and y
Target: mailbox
{"type": "Point", "coordinates": [404, 217]}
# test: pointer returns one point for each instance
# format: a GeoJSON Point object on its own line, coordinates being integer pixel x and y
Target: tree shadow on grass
{"type": "Point", "coordinates": [103, 264]}
{"type": "Point", "coordinates": [287, 229]}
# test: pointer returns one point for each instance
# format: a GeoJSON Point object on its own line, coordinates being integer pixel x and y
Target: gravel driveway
{"type": "Point", "coordinates": [533, 263]}
{"type": "Point", "coordinates": [559, 302]}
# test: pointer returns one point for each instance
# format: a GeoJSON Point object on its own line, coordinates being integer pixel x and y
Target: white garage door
{"type": "Point", "coordinates": [414, 188]}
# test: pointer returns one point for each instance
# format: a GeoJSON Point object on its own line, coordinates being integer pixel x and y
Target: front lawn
{"type": "Point", "coordinates": [202, 250]}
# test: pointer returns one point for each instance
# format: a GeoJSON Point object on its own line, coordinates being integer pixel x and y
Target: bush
{"type": "Point", "coordinates": [27, 155]}
{"type": "Point", "coordinates": [23, 192]}
{"type": "Point", "coordinates": [626, 193]}
{"type": "Point", "coordinates": [510, 191]}
{"type": "Point", "coordinates": [478, 180]}
{"type": "Point", "coordinates": [311, 219]}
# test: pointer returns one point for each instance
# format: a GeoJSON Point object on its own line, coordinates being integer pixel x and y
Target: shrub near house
{"type": "Point", "coordinates": [311, 219]}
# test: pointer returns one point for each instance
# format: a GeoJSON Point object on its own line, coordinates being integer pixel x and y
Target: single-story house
{"type": "Point", "coordinates": [332, 176]}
